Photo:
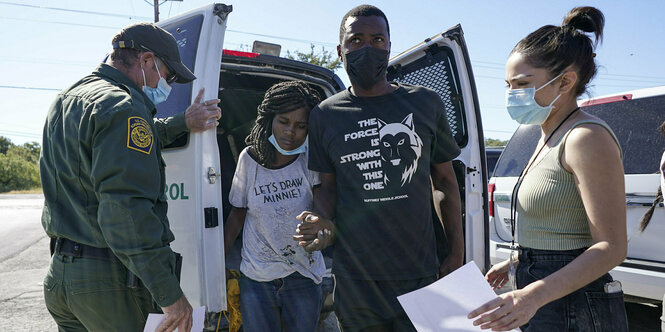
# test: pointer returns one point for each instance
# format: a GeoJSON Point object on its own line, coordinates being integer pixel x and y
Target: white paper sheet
{"type": "Point", "coordinates": [197, 320]}
{"type": "Point", "coordinates": [444, 305]}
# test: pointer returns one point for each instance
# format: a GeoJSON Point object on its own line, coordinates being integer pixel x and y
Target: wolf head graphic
{"type": "Point", "coordinates": [400, 148]}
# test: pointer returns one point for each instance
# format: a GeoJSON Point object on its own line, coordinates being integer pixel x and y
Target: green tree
{"type": "Point", "coordinates": [5, 143]}
{"type": "Point", "coordinates": [324, 58]}
{"type": "Point", "coordinates": [28, 151]}
{"type": "Point", "coordinates": [17, 173]}
{"type": "Point", "coordinates": [493, 142]}
{"type": "Point", "coordinates": [19, 165]}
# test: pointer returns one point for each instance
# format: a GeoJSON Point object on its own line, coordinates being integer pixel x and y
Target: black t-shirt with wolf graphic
{"type": "Point", "coordinates": [380, 149]}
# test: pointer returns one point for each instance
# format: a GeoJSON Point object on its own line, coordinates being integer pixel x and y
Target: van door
{"type": "Point", "coordinates": [192, 163]}
{"type": "Point", "coordinates": [442, 64]}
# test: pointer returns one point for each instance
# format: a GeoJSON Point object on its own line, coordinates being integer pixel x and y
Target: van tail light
{"type": "Point", "coordinates": [490, 191]}
{"type": "Point", "coordinates": [240, 53]}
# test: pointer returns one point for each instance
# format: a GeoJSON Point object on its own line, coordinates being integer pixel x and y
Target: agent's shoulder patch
{"type": "Point", "coordinates": [139, 135]}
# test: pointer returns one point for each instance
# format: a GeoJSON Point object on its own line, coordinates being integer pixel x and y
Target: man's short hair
{"type": "Point", "coordinates": [362, 10]}
{"type": "Point", "coordinates": [125, 57]}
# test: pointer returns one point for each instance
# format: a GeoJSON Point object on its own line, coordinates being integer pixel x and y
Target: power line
{"type": "Point", "coordinates": [495, 65]}
{"type": "Point", "coordinates": [49, 61]}
{"type": "Point", "coordinates": [284, 38]}
{"type": "Point", "coordinates": [18, 133]}
{"type": "Point", "coordinates": [148, 18]}
{"type": "Point", "coordinates": [28, 88]}
{"type": "Point", "coordinates": [488, 64]}
{"type": "Point", "coordinates": [118, 28]}
{"type": "Point", "coordinates": [74, 10]}
{"type": "Point", "coordinates": [61, 23]}
{"type": "Point", "coordinates": [636, 78]}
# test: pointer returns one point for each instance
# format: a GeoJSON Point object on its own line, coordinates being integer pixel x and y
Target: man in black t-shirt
{"type": "Point", "coordinates": [380, 148]}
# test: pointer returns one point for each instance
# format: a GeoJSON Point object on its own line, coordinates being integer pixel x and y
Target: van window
{"type": "Point", "coordinates": [438, 71]}
{"type": "Point", "coordinates": [186, 34]}
{"type": "Point", "coordinates": [634, 122]}
{"type": "Point", "coordinates": [491, 157]}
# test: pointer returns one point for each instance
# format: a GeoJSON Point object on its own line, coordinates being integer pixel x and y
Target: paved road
{"type": "Point", "coordinates": [24, 258]}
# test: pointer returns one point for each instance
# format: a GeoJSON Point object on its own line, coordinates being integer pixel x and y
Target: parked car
{"type": "Point", "coordinates": [200, 166]}
{"type": "Point", "coordinates": [492, 155]}
{"type": "Point", "coordinates": [634, 117]}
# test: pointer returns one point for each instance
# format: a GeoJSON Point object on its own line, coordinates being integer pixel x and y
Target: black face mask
{"type": "Point", "coordinates": [366, 66]}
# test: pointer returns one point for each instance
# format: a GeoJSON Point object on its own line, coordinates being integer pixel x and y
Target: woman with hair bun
{"type": "Point", "coordinates": [569, 199]}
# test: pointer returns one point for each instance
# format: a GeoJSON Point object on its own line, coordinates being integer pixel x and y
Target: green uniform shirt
{"type": "Point", "coordinates": [103, 175]}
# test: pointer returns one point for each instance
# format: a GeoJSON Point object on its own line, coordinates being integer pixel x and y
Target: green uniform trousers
{"type": "Point", "coordinates": [84, 294]}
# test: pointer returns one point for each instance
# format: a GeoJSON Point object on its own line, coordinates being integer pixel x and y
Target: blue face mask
{"type": "Point", "coordinates": [161, 92]}
{"type": "Point", "coordinates": [301, 149]}
{"type": "Point", "coordinates": [524, 109]}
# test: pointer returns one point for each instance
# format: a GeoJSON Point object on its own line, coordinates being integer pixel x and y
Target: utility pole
{"type": "Point", "coordinates": [156, 6]}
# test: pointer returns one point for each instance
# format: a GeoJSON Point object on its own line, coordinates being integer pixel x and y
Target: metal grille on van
{"type": "Point", "coordinates": [434, 71]}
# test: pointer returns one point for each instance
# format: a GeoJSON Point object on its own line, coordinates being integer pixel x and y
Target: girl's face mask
{"type": "Point", "coordinates": [301, 149]}
{"type": "Point", "coordinates": [524, 109]}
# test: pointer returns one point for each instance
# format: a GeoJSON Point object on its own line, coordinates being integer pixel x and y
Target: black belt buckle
{"type": "Point", "coordinates": [76, 250]}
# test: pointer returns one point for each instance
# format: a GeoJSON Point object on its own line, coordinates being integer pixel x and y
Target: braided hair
{"type": "Point", "coordinates": [280, 98]}
{"type": "Point", "coordinates": [646, 218]}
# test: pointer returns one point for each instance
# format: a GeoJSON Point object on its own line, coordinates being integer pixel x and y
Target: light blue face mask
{"type": "Point", "coordinates": [161, 92]}
{"type": "Point", "coordinates": [301, 149]}
{"type": "Point", "coordinates": [524, 109]}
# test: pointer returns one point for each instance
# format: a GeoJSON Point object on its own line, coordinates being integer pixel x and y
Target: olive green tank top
{"type": "Point", "coordinates": [550, 212]}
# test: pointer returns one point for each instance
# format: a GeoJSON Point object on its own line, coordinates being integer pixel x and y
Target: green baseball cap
{"type": "Point", "coordinates": [149, 37]}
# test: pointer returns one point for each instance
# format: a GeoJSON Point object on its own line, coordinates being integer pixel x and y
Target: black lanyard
{"type": "Point", "coordinates": [513, 196]}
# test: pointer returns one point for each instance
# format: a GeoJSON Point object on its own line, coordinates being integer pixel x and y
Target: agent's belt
{"type": "Point", "coordinates": [68, 247]}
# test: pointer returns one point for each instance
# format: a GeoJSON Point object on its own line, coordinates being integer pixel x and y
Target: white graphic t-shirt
{"type": "Point", "coordinates": [273, 198]}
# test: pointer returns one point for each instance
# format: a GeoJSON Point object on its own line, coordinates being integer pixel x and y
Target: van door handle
{"type": "Point", "coordinates": [645, 204]}
{"type": "Point", "coordinates": [212, 175]}
{"type": "Point", "coordinates": [634, 199]}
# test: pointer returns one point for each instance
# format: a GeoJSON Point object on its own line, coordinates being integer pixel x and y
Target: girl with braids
{"type": "Point", "coordinates": [569, 199]}
{"type": "Point", "coordinates": [280, 286]}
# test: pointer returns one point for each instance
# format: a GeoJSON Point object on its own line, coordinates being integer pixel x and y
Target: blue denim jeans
{"type": "Point", "coordinates": [589, 308]}
{"type": "Point", "coordinates": [292, 303]}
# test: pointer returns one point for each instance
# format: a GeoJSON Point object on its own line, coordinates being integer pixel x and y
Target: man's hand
{"type": "Point", "coordinates": [451, 263]}
{"type": "Point", "coordinates": [178, 315]}
{"type": "Point", "coordinates": [201, 116]}
{"type": "Point", "coordinates": [314, 233]}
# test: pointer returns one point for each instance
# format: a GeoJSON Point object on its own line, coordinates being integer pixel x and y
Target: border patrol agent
{"type": "Point", "coordinates": [103, 180]}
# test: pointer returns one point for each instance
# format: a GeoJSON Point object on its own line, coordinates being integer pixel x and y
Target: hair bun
{"type": "Point", "coordinates": [586, 19]}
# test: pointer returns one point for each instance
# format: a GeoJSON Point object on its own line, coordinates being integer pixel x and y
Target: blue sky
{"type": "Point", "coordinates": [46, 45]}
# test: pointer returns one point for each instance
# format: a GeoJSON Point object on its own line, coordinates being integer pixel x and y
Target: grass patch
{"type": "Point", "coordinates": [37, 190]}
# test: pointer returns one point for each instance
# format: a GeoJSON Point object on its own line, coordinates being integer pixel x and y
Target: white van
{"type": "Point", "coordinates": [200, 166]}
{"type": "Point", "coordinates": [634, 117]}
